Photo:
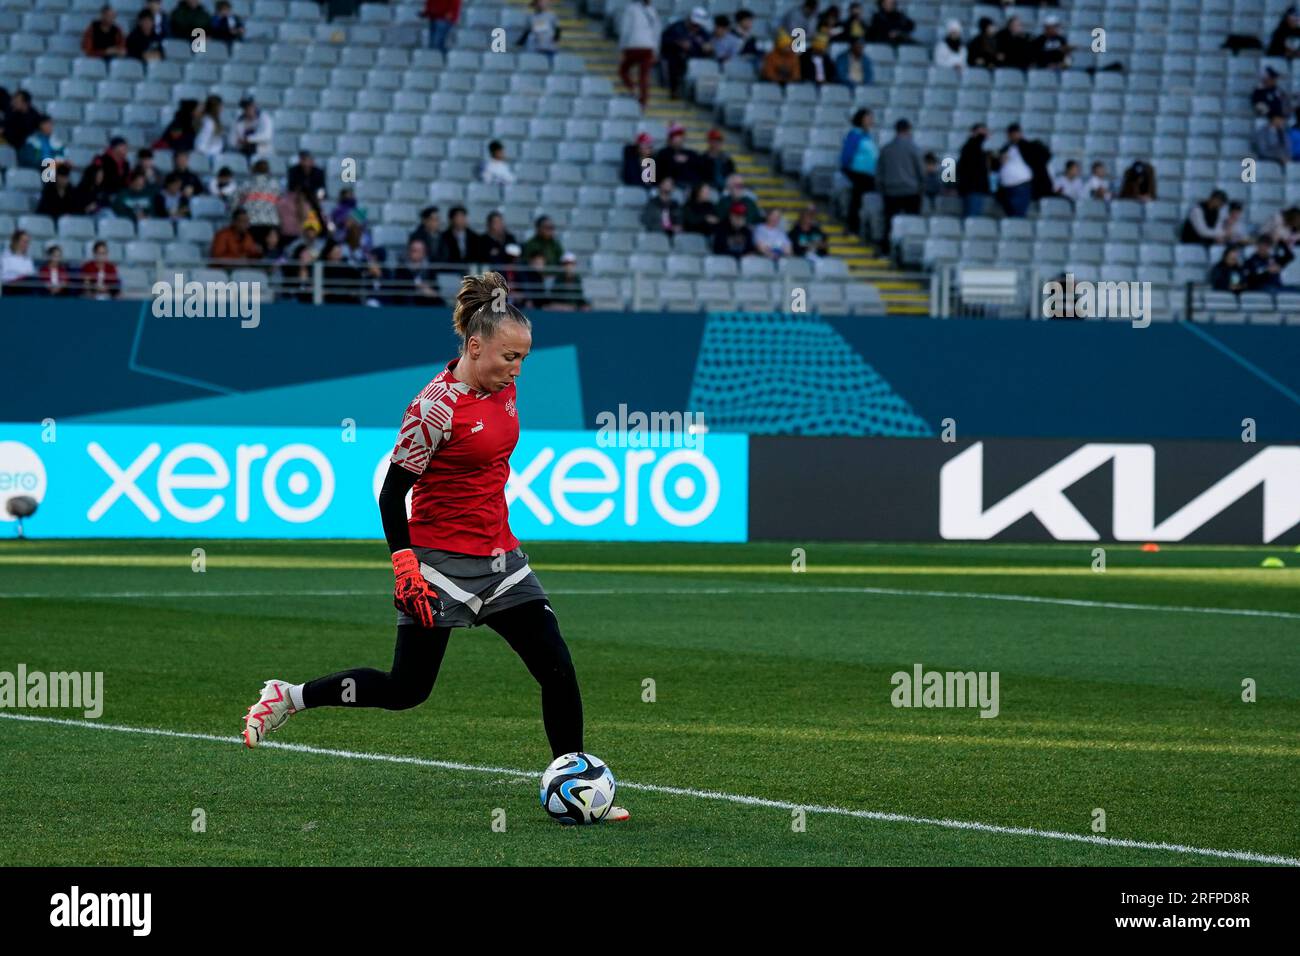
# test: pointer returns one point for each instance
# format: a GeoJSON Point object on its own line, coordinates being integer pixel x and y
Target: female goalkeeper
{"type": "Point", "coordinates": [456, 562]}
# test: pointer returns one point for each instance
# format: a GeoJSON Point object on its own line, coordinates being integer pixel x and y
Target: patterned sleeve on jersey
{"type": "Point", "coordinates": [425, 425]}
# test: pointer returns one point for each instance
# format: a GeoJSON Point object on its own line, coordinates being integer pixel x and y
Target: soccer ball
{"type": "Point", "coordinates": [577, 788]}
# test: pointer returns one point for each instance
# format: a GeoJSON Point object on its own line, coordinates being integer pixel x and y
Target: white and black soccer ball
{"type": "Point", "coordinates": [578, 788]}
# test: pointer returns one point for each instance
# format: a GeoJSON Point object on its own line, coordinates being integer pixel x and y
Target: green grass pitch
{"type": "Point", "coordinates": [1119, 690]}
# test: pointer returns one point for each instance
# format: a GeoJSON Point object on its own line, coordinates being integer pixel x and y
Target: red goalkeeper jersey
{"type": "Point", "coordinates": [459, 442]}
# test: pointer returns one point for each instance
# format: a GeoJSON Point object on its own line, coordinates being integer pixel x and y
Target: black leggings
{"type": "Point", "coordinates": [530, 629]}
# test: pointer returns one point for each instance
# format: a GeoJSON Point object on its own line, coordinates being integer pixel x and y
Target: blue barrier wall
{"type": "Point", "coordinates": [305, 366]}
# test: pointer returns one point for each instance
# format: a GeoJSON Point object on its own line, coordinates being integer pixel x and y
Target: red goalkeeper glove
{"type": "Point", "coordinates": [412, 594]}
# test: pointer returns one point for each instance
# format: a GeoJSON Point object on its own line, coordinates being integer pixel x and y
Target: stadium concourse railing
{"type": "Point", "coordinates": [383, 284]}
{"type": "Point", "coordinates": [963, 290]}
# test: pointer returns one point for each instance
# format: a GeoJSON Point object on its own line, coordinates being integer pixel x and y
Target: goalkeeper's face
{"type": "Point", "coordinates": [500, 358]}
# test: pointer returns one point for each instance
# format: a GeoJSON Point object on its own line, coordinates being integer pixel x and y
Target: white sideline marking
{"type": "Point", "coordinates": [888, 592]}
{"type": "Point", "coordinates": [1244, 855]}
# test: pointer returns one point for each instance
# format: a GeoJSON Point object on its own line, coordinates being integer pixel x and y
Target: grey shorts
{"type": "Point", "coordinates": [472, 588]}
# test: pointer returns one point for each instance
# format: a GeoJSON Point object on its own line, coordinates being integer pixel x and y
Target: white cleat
{"type": "Point", "coordinates": [269, 713]}
{"type": "Point", "coordinates": [617, 814]}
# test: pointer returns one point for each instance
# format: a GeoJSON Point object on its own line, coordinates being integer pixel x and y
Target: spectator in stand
{"type": "Point", "coordinates": [234, 242]}
{"type": "Point", "coordinates": [104, 39]}
{"type": "Point", "coordinates": [974, 164]}
{"type": "Point", "coordinates": [1015, 177]}
{"type": "Point", "coordinates": [135, 202]}
{"type": "Point", "coordinates": [90, 188]}
{"type": "Point", "coordinates": [1138, 182]}
{"type": "Point", "coordinates": [715, 165]}
{"type": "Point", "coordinates": [305, 174]}
{"type": "Point", "coordinates": [662, 212]}
{"type": "Point", "coordinates": [495, 239]}
{"type": "Point", "coordinates": [210, 140]}
{"type": "Point", "coordinates": [260, 200]}
{"type": "Point", "coordinates": [442, 16]}
{"type": "Point", "coordinates": [341, 213]}
{"type": "Point", "coordinates": [21, 120]}
{"type": "Point", "coordinates": [1264, 266]}
{"type": "Point", "coordinates": [55, 276]}
{"type": "Point", "coordinates": [41, 145]}
{"type": "Point", "coordinates": [1271, 141]}
{"type": "Point", "coordinates": [725, 42]}
{"type": "Point", "coordinates": [770, 239]}
{"type": "Point", "coordinates": [188, 16]}
{"type": "Point", "coordinates": [357, 242]}
{"type": "Point", "coordinates": [853, 28]}
{"type": "Point", "coordinates": [734, 236]}
{"type": "Point", "coordinates": [253, 132]}
{"type": "Point", "coordinates": [308, 247]}
{"type": "Point", "coordinates": [1227, 275]}
{"type": "Point", "coordinates": [638, 39]}
{"type": "Point", "coordinates": [17, 270]}
{"type": "Point", "coordinates": [700, 214]}
{"type": "Point", "coordinates": [1236, 231]}
{"type": "Point", "coordinates": [781, 65]}
{"type": "Point", "coordinates": [170, 202]}
{"type": "Point", "coordinates": [1293, 136]}
{"type": "Point", "coordinates": [634, 156]}
{"type": "Point", "coordinates": [143, 43]}
{"type": "Point", "coordinates": [859, 155]}
{"type": "Point", "coordinates": [816, 66]}
{"type": "Point", "coordinates": [60, 198]}
{"type": "Point", "coordinates": [1270, 96]}
{"type": "Point", "coordinates": [853, 66]}
{"type": "Point", "coordinates": [1286, 36]}
{"type": "Point", "coordinates": [530, 283]}
{"type": "Point", "coordinates": [99, 279]}
{"type": "Point", "coordinates": [115, 162]}
{"type": "Point", "coordinates": [544, 241]}
{"type": "Point", "coordinates": [950, 51]}
{"type": "Point", "coordinates": [684, 40]}
{"type": "Point", "coordinates": [496, 169]}
{"type": "Point", "coordinates": [900, 175]}
{"type": "Point", "coordinates": [184, 126]}
{"type": "Point", "coordinates": [415, 280]}
{"type": "Point", "coordinates": [299, 212]}
{"type": "Point", "coordinates": [983, 50]}
{"type": "Point", "coordinates": [429, 233]}
{"type": "Point", "coordinates": [806, 236]}
{"type": "Point", "coordinates": [934, 185]}
{"type": "Point", "coordinates": [144, 162]}
{"type": "Point", "coordinates": [223, 185]}
{"type": "Point", "coordinates": [743, 31]}
{"type": "Point", "coordinates": [542, 35]}
{"type": "Point", "coordinates": [737, 195]}
{"type": "Point", "coordinates": [801, 17]}
{"type": "Point", "coordinates": [460, 243]}
{"type": "Point", "coordinates": [226, 25]}
{"type": "Point", "coordinates": [889, 24]}
{"type": "Point", "coordinates": [828, 24]}
{"type": "Point", "coordinates": [1015, 45]}
{"type": "Point", "coordinates": [1051, 50]}
{"type": "Point", "coordinates": [1203, 225]}
{"type": "Point", "coordinates": [675, 161]}
{"type": "Point", "coordinates": [1284, 227]}
{"type": "Point", "coordinates": [191, 184]}
{"type": "Point", "coordinates": [1071, 183]}
{"type": "Point", "coordinates": [1098, 184]}
{"type": "Point", "coordinates": [566, 289]}
{"type": "Point", "coordinates": [161, 22]}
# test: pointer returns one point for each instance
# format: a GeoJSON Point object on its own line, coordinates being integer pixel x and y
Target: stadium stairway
{"type": "Point", "coordinates": [902, 295]}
